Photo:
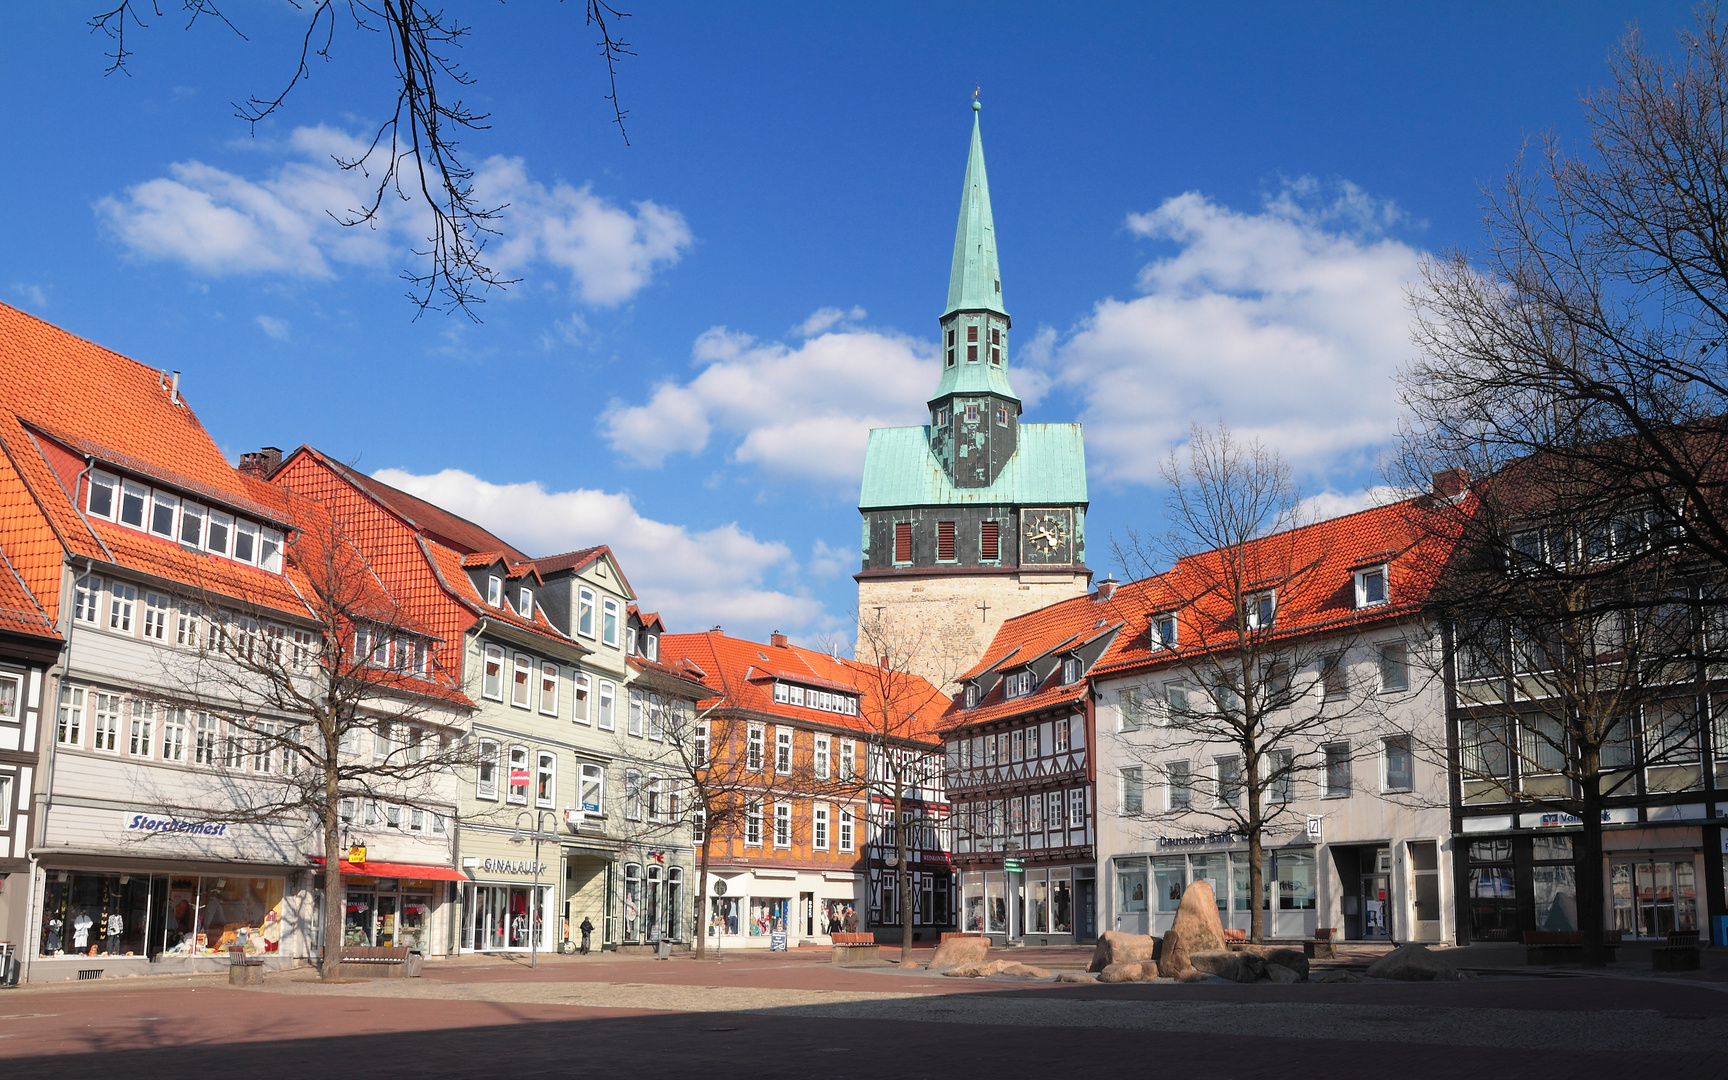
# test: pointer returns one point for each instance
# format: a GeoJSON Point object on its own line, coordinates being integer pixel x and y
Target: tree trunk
{"type": "Point", "coordinates": [702, 902]}
{"type": "Point", "coordinates": [1256, 885]}
{"type": "Point", "coordinates": [905, 880]}
{"type": "Point", "coordinates": [1588, 868]}
{"type": "Point", "coordinates": [333, 897]}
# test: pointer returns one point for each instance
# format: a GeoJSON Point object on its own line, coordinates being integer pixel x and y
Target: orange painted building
{"type": "Point", "coordinates": [811, 855]}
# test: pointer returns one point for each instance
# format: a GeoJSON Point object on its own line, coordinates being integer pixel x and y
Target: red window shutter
{"type": "Point", "coordinates": [990, 541]}
{"type": "Point", "coordinates": [945, 541]}
{"type": "Point", "coordinates": [903, 542]}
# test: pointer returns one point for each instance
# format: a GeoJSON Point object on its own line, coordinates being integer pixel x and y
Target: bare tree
{"type": "Point", "coordinates": [1266, 701]}
{"type": "Point", "coordinates": [898, 711]}
{"type": "Point", "coordinates": [350, 704]}
{"type": "Point", "coordinates": [414, 155]}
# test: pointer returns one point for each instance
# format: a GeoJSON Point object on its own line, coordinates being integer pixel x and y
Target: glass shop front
{"type": "Point", "coordinates": [155, 915]}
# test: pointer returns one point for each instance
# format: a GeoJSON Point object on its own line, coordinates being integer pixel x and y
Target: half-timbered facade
{"type": "Point", "coordinates": [1021, 775]}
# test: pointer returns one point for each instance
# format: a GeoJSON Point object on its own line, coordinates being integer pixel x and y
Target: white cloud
{"type": "Point", "coordinates": [1329, 504]}
{"type": "Point", "coordinates": [803, 412]}
{"type": "Point", "coordinates": [219, 223]}
{"type": "Point", "coordinates": [276, 328]}
{"type": "Point", "coordinates": [694, 578]}
{"type": "Point", "coordinates": [1287, 324]}
{"type": "Point", "coordinates": [33, 295]}
{"type": "Point", "coordinates": [826, 319]}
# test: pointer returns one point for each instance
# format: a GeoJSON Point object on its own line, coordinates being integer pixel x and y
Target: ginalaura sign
{"type": "Point", "coordinates": [513, 866]}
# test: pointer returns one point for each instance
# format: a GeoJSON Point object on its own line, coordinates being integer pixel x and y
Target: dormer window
{"type": "Point", "coordinates": [525, 603]}
{"type": "Point", "coordinates": [191, 524]}
{"type": "Point", "coordinates": [653, 646]}
{"type": "Point", "coordinates": [630, 640]}
{"type": "Point", "coordinates": [972, 695]}
{"type": "Point", "coordinates": [1164, 630]}
{"type": "Point", "coordinates": [102, 491]}
{"type": "Point", "coordinates": [1070, 671]}
{"type": "Point", "coordinates": [1018, 685]}
{"type": "Point", "coordinates": [132, 499]}
{"type": "Point", "coordinates": [1371, 587]}
{"type": "Point", "coordinates": [162, 508]}
{"type": "Point", "coordinates": [495, 590]}
{"type": "Point", "coordinates": [1262, 608]}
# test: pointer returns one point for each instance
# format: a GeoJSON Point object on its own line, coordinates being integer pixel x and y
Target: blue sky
{"type": "Point", "coordinates": [1205, 212]}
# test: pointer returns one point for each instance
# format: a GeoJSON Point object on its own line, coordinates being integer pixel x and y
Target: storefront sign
{"type": "Point", "coordinates": [357, 854]}
{"type": "Point", "coordinates": [1556, 819]}
{"type": "Point", "coordinates": [1200, 840]}
{"type": "Point", "coordinates": [512, 866]}
{"type": "Point", "coordinates": [168, 825]}
{"type": "Point", "coordinates": [1314, 821]}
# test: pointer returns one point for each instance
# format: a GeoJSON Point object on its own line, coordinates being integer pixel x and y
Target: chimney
{"type": "Point", "coordinates": [262, 463]}
{"type": "Point", "coordinates": [174, 389]}
{"type": "Point", "coordinates": [1451, 484]}
{"type": "Point", "coordinates": [777, 639]}
{"type": "Point", "coordinates": [1107, 587]}
{"type": "Point", "coordinates": [716, 629]}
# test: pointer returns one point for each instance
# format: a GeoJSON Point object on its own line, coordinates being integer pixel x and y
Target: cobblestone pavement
{"type": "Point", "coordinates": [793, 1015]}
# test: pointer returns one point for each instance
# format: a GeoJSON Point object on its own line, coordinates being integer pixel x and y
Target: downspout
{"type": "Point", "coordinates": [456, 829]}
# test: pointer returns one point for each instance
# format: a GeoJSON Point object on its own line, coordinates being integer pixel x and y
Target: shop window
{"type": "Point", "coordinates": [1490, 891]}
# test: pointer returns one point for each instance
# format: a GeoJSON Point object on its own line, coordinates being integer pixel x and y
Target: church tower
{"type": "Point", "coordinates": [975, 517]}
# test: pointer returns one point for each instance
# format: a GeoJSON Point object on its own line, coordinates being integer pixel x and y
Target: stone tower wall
{"type": "Point", "coordinates": [952, 629]}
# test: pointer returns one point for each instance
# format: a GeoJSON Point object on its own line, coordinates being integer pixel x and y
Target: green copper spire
{"type": "Point", "coordinates": [975, 282]}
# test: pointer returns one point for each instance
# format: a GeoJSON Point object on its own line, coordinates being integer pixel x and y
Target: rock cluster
{"type": "Point", "coordinates": [1415, 963]}
{"type": "Point", "coordinates": [956, 950]}
{"type": "Point", "coordinates": [985, 968]}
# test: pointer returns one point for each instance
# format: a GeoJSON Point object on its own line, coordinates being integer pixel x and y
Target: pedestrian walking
{"type": "Point", "coordinates": [587, 929]}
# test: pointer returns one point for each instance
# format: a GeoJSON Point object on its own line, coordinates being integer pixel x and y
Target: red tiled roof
{"type": "Point", "coordinates": [576, 560]}
{"type": "Point", "coordinates": [441, 525]}
{"type": "Point", "coordinates": [729, 663]}
{"type": "Point", "coordinates": [19, 611]}
{"type": "Point", "coordinates": [1317, 593]}
{"type": "Point", "coordinates": [1062, 626]}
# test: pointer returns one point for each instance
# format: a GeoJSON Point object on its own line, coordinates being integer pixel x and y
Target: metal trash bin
{"type": "Point", "coordinates": [244, 970]}
{"type": "Point", "coordinates": [411, 967]}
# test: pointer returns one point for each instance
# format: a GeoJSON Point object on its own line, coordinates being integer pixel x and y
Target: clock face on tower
{"type": "Point", "coordinates": [1046, 536]}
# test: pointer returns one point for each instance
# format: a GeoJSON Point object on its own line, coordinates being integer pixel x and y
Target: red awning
{"type": "Point", "coordinates": [413, 871]}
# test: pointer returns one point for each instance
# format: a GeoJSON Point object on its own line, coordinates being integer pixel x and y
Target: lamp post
{"type": "Point", "coordinates": [539, 836]}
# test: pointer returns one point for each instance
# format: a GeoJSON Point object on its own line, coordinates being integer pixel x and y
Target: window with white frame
{"type": "Point", "coordinates": [1070, 670]}
{"type": "Point", "coordinates": [133, 499]}
{"type": "Point", "coordinates": [492, 673]}
{"type": "Point", "coordinates": [518, 779]}
{"type": "Point", "coordinates": [657, 706]}
{"type": "Point", "coordinates": [392, 817]}
{"type": "Point", "coordinates": [100, 502]}
{"type": "Point", "coordinates": [141, 732]}
{"type": "Point", "coordinates": [1178, 786]}
{"type": "Point", "coordinates": [206, 735]}
{"type": "Point", "coordinates": [163, 508]}
{"type": "Point", "coordinates": [820, 760]}
{"type": "Point", "coordinates": [495, 590]}
{"type": "Point", "coordinates": [753, 823]}
{"type": "Point", "coordinates": [192, 524]}
{"type": "Point", "coordinates": [658, 803]}
{"type": "Point", "coordinates": [1394, 668]}
{"type": "Point", "coordinates": [122, 600]}
{"type": "Point", "coordinates": [233, 745]}
{"type": "Point", "coordinates": [1371, 587]}
{"type": "Point", "coordinates": [87, 598]}
{"type": "Point", "coordinates": [819, 827]}
{"type": "Point", "coordinates": [585, 612]}
{"type": "Point", "coordinates": [270, 550]}
{"type": "Point", "coordinates": [1077, 808]}
{"type": "Point", "coordinates": [548, 689]}
{"type": "Point", "coordinates": [635, 726]}
{"type": "Point", "coordinates": [783, 751]}
{"type": "Point", "coordinates": [581, 688]}
{"type": "Point", "coordinates": [155, 616]}
{"type": "Point", "coordinates": [972, 695]}
{"type": "Point", "coordinates": [591, 798]}
{"type": "Point", "coordinates": [218, 532]}
{"type": "Point", "coordinates": [630, 640]}
{"type": "Point", "coordinates": [546, 779]}
{"type": "Point", "coordinates": [754, 739]}
{"type": "Point", "coordinates": [384, 743]}
{"type": "Point", "coordinates": [1164, 630]}
{"type": "Point", "coordinates": [782, 825]}
{"type": "Point", "coordinates": [1398, 764]}
{"type": "Point", "coordinates": [105, 721]}
{"type": "Point", "coordinates": [653, 646]}
{"type": "Point", "coordinates": [1129, 709]}
{"type": "Point", "coordinates": [846, 828]}
{"type": "Point", "coordinates": [525, 603]}
{"type": "Point", "coordinates": [1337, 770]}
{"type": "Point", "coordinates": [416, 820]}
{"type": "Point", "coordinates": [1261, 609]}
{"type": "Point", "coordinates": [633, 794]}
{"type": "Point", "coordinates": [848, 759]}
{"type": "Point", "coordinates": [174, 735]}
{"type": "Point", "coordinates": [1280, 775]}
{"type": "Point", "coordinates": [1229, 787]}
{"type": "Point", "coordinates": [698, 827]}
{"type": "Point", "coordinates": [187, 623]}
{"type": "Point", "coordinates": [609, 621]}
{"type": "Point", "coordinates": [245, 541]}
{"type": "Point", "coordinates": [521, 680]}
{"type": "Point", "coordinates": [607, 694]}
{"type": "Point", "coordinates": [1133, 790]}
{"type": "Point", "coordinates": [264, 746]}
{"type": "Point", "coordinates": [699, 746]}
{"type": "Point", "coordinates": [1018, 684]}
{"type": "Point", "coordinates": [1060, 734]}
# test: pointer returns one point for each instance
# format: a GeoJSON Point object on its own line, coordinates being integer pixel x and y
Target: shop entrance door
{"type": "Point", "coordinates": [1653, 898]}
{"type": "Point", "coordinates": [1085, 909]}
{"type": "Point", "coordinates": [1375, 907]}
{"type": "Point", "coordinates": [807, 905]}
{"type": "Point", "coordinates": [386, 927]}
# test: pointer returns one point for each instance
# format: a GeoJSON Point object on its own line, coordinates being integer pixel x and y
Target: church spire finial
{"type": "Point", "coordinates": [975, 281]}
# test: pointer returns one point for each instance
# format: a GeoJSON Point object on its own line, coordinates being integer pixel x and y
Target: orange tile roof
{"type": "Point", "coordinates": [1062, 626]}
{"type": "Point", "coordinates": [576, 560]}
{"type": "Point", "coordinates": [1315, 564]}
{"type": "Point", "coordinates": [742, 672]}
{"type": "Point", "coordinates": [431, 520]}
{"type": "Point", "coordinates": [19, 611]}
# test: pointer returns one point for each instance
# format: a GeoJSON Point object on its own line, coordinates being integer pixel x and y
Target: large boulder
{"type": "Point", "coordinates": [1118, 948]}
{"type": "Point", "coordinates": [1022, 971]}
{"type": "Point", "coordinates": [1414, 963]}
{"type": "Point", "coordinates": [1076, 977]}
{"type": "Point", "coordinates": [1196, 929]}
{"type": "Point", "coordinates": [1278, 974]}
{"type": "Point", "coordinates": [1281, 956]}
{"type": "Point", "coordinates": [954, 951]}
{"type": "Point", "coordinates": [978, 969]}
{"type": "Point", "coordinates": [1132, 971]}
{"type": "Point", "coordinates": [1242, 967]}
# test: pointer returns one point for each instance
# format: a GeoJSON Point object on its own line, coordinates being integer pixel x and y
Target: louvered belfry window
{"type": "Point", "coordinates": [990, 541]}
{"type": "Point", "coordinates": [903, 542]}
{"type": "Point", "coordinates": [944, 541]}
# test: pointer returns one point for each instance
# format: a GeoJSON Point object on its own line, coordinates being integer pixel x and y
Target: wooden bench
{"type": "Point", "coordinates": [855, 950]}
{"type": "Point", "coordinates": [1680, 954]}
{"type": "Point", "coordinates": [1548, 947]}
{"type": "Point", "coordinates": [374, 962]}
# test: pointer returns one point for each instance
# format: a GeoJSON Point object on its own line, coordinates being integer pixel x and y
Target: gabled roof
{"type": "Point", "coordinates": [1059, 629]}
{"type": "Point", "coordinates": [581, 559]}
{"type": "Point", "coordinates": [741, 673]}
{"type": "Point", "coordinates": [434, 522]}
{"type": "Point", "coordinates": [1048, 469]}
{"type": "Point", "coordinates": [1316, 564]}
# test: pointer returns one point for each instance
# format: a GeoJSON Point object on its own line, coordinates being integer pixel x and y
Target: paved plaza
{"type": "Point", "coordinates": [794, 1015]}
